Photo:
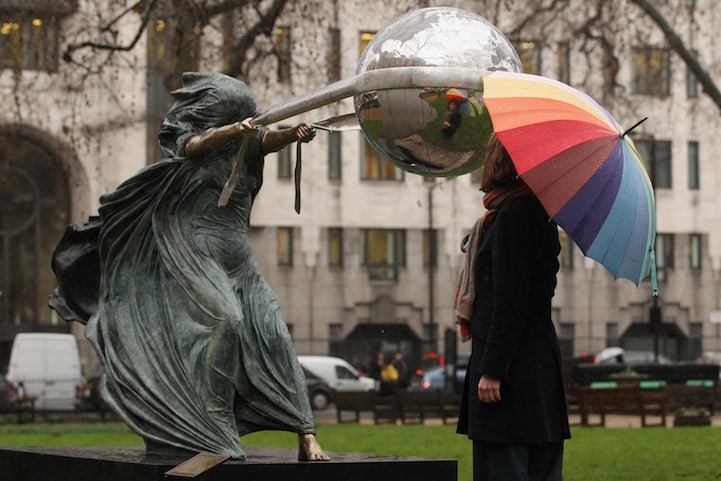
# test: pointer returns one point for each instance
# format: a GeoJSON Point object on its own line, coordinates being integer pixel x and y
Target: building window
{"type": "Point", "coordinates": [694, 251]}
{"type": "Point", "coordinates": [335, 247]}
{"type": "Point", "coordinates": [657, 155]}
{"type": "Point", "coordinates": [334, 73]}
{"type": "Point", "coordinates": [365, 38]}
{"type": "Point", "coordinates": [383, 251]}
{"type": "Point", "coordinates": [430, 247]}
{"type": "Point", "coordinates": [375, 167]}
{"type": "Point", "coordinates": [334, 155]}
{"type": "Point", "coordinates": [530, 54]}
{"type": "Point", "coordinates": [566, 336]}
{"type": "Point", "coordinates": [564, 63]}
{"type": "Point", "coordinates": [282, 51]}
{"type": "Point", "coordinates": [651, 71]}
{"type": "Point", "coordinates": [565, 258]}
{"type": "Point", "coordinates": [285, 246]}
{"type": "Point", "coordinates": [285, 160]}
{"type": "Point", "coordinates": [29, 41]}
{"type": "Point", "coordinates": [693, 167]}
{"type": "Point", "coordinates": [664, 251]}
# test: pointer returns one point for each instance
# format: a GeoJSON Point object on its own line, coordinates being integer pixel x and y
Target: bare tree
{"type": "Point", "coordinates": [678, 46]}
{"type": "Point", "coordinates": [189, 19]}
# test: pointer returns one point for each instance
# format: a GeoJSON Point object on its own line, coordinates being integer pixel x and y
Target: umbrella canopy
{"type": "Point", "coordinates": [459, 95]}
{"type": "Point", "coordinates": [581, 165]}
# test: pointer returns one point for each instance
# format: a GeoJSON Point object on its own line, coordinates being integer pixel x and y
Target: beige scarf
{"type": "Point", "coordinates": [465, 286]}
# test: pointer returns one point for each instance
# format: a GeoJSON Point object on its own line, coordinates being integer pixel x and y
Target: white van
{"type": "Point", "coordinates": [46, 365]}
{"type": "Point", "coordinates": [339, 374]}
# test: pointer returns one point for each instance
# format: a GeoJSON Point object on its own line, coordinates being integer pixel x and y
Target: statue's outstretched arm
{"type": "Point", "coordinates": [217, 137]}
{"type": "Point", "coordinates": [275, 140]}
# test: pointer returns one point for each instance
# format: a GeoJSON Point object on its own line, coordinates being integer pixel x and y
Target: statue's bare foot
{"type": "Point", "coordinates": [309, 449]}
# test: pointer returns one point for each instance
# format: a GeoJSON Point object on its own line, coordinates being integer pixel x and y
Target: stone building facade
{"type": "Point", "coordinates": [370, 263]}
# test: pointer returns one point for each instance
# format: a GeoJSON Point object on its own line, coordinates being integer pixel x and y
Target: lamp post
{"type": "Point", "coordinates": [431, 269]}
{"type": "Point", "coordinates": [655, 319]}
{"type": "Point", "coordinates": [589, 266]}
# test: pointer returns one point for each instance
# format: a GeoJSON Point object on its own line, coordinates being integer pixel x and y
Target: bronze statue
{"type": "Point", "coordinates": [191, 339]}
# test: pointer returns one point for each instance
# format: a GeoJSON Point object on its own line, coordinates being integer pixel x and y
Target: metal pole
{"type": "Point", "coordinates": [381, 79]}
{"type": "Point", "coordinates": [431, 268]}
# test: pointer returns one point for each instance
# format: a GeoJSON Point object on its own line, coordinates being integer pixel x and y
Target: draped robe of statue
{"type": "Point", "coordinates": [190, 336]}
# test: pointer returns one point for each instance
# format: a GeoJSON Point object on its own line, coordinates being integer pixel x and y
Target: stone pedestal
{"type": "Point", "coordinates": [271, 464]}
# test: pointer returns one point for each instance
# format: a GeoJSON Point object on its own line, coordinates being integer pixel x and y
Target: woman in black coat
{"type": "Point", "coordinates": [513, 406]}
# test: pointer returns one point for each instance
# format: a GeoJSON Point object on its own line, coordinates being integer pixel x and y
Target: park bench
{"type": "Point", "coordinates": [22, 406]}
{"type": "Point", "coordinates": [628, 399]}
{"type": "Point", "coordinates": [692, 394]}
{"type": "Point", "coordinates": [410, 407]}
{"type": "Point", "coordinates": [417, 406]}
{"type": "Point", "coordinates": [354, 402]}
{"type": "Point", "coordinates": [383, 407]}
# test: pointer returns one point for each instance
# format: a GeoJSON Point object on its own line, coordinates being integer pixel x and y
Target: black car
{"type": "Point", "coordinates": [319, 392]}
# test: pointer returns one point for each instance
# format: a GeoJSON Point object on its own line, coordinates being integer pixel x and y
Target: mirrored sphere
{"type": "Point", "coordinates": [437, 130]}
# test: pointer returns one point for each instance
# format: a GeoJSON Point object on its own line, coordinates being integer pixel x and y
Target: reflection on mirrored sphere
{"type": "Point", "coordinates": [436, 130]}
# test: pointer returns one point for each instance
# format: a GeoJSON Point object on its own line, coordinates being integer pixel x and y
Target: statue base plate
{"type": "Point", "coordinates": [133, 463]}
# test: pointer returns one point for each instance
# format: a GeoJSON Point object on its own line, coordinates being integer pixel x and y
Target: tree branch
{"type": "Point", "coordinates": [678, 46]}
{"type": "Point", "coordinates": [68, 54]}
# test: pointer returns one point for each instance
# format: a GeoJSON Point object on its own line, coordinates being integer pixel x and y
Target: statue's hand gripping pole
{"type": "Point", "coordinates": [248, 132]}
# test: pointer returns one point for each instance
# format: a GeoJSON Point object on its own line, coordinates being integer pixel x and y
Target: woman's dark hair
{"type": "Point", "coordinates": [498, 169]}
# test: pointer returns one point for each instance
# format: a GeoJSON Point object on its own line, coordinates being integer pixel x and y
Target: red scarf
{"type": "Point", "coordinates": [496, 198]}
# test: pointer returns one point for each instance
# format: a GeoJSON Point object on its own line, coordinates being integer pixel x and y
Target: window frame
{"type": "Point", "coordinates": [430, 248]}
{"type": "Point", "coordinates": [335, 156]}
{"type": "Point", "coordinates": [33, 47]}
{"type": "Point", "coordinates": [391, 252]}
{"type": "Point", "coordinates": [335, 246]}
{"type": "Point", "coordinates": [284, 246]}
{"type": "Point", "coordinates": [283, 53]}
{"type": "Point", "coordinates": [665, 251]}
{"type": "Point", "coordinates": [646, 78]}
{"type": "Point", "coordinates": [530, 53]}
{"type": "Point", "coordinates": [657, 155]}
{"type": "Point", "coordinates": [695, 250]}
{"type": "Point", "coordinates": [694, 175]}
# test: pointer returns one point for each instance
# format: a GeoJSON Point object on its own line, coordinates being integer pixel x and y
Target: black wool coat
{"type": "Point", "coordinates": [513, 338]}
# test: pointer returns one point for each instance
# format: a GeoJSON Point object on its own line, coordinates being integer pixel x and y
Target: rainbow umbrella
{"type": "Point", "coordinates": [459, 95]}
{"type": "Point", "coordinates": [581, 165]}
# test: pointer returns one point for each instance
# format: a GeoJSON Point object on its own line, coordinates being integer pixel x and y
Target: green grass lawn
{"type": "Point", "coordinates": [597, 454]}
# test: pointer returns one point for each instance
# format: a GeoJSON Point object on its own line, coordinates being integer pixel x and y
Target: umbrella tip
{"type": "Point", "coordinates": [634, 126]}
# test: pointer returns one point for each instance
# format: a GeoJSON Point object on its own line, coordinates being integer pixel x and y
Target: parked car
{"type": "Point", "coordinates": [619, 355]}
{"type": "Point", "coordinates": [436, 378]}
{"type": "Point", "coordinates": [337, 373]}
{"type": "Point", "coordinates": [48, 366]}
{"type": "Point", "coordinates": [319, 392]}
